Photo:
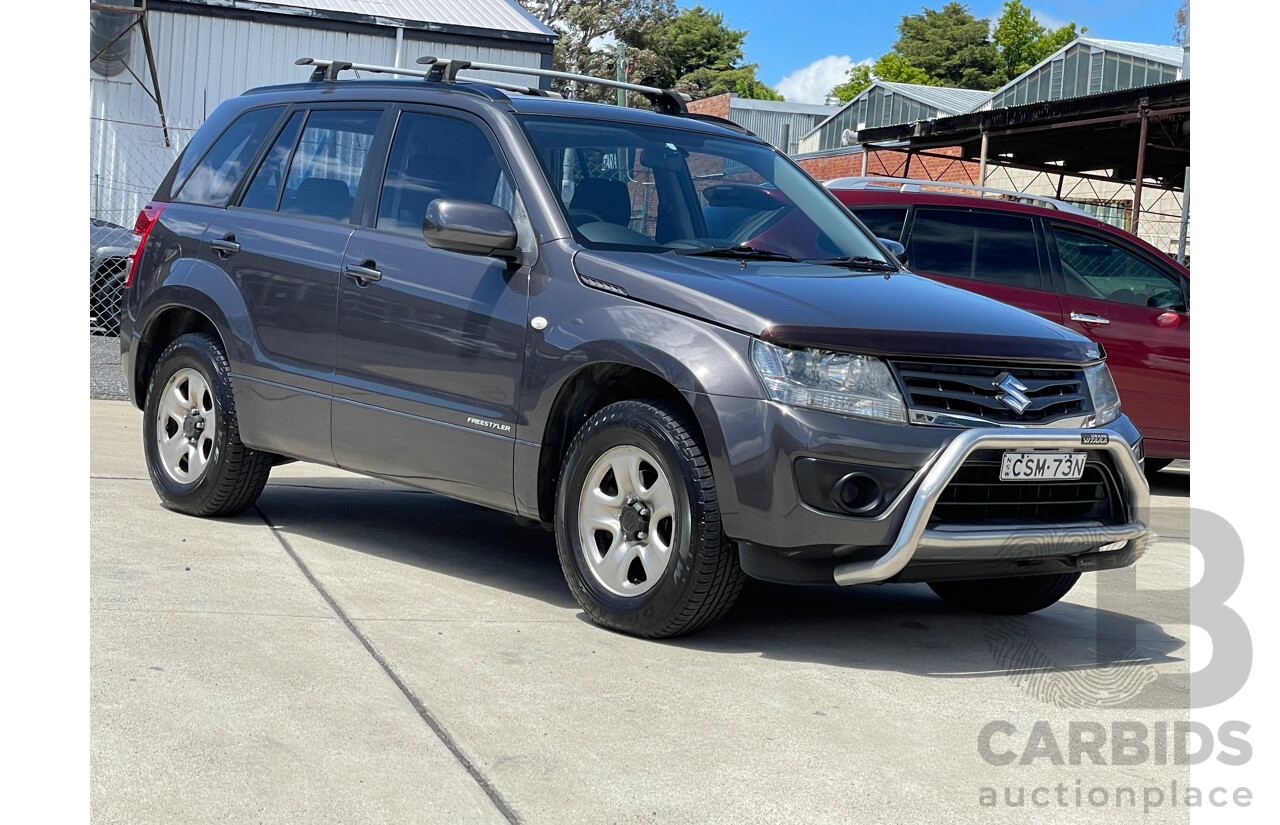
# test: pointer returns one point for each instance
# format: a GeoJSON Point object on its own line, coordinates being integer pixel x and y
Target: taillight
{"type": "Point", "coordinates": [141, 229]}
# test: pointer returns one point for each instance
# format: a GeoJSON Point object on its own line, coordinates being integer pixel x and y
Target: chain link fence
{"type": "Point", "coordinates": [126, 163]}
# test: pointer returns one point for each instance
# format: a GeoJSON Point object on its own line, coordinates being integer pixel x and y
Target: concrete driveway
{"type": "Point", "coordinates": [350, 651]}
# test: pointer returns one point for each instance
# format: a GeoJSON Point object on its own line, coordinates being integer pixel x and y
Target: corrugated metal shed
{"type": "Point", "coordinates": [496, 15]}
{"type": "Point", "coordinates": [778, 122]}
{"type": "Point", "coordinates": [207, 51]}
{"type": "Point", "coordinates": [883, 104]}
{"type": "Point", "coordinates": [1088, 66]}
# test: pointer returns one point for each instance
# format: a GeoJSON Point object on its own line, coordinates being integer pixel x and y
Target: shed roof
{"type": "Point", "coordinates": [945, 98]}
{"type": "Point", "coordinates": [949, 100]}
{"type": "Point", "coordinates": [491, 15]}
{"type": "Point", "coordinates": [784, 106]}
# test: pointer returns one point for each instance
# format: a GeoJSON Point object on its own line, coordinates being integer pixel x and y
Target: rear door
{"type": "Point", "coordinates": [282, 247]}
{"type": "Point", "coordinates": [1137, 309]}
{"type": "Point", "coordinates": [998, 254]}
{"type": "Point", "coordinates": [429, 354]}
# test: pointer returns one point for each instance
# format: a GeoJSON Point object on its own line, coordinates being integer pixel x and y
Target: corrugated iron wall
{"type": "Point", "coordinates": [778, 128]}
{"type": "Point", "coordinates": [203, 60]}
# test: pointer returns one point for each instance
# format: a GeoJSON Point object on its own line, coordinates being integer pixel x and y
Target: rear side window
{"type": "Point", "coordinates": [977, 246]}
{"type": "Point", "coordinates": [1093, 267]}
{"type": "Point", "coordinates": [434, 156]}
{"type": "Point", "coordinates": [326, 166]}
{"type": "Point", "coordinates": [268, 181]}
{"type": "Point", "coordinates": [225, 164]}
{"type": "Point", "coordinates": [884, 222]}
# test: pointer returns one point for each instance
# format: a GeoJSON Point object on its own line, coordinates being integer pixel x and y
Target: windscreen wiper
{"type": "Point", "coordinates": [740, 251]}
{"type": "Point", "coordinates": [859, 262]}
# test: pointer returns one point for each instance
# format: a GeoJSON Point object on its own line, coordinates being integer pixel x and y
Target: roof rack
{"type": "Point", "coordinates": [327, 70]}
{"type": "Point", "coordinates": [666, 101]}
{"type": "Point", "coordinates": [942, 187]}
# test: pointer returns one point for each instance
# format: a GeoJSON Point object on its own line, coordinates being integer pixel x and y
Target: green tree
{"type": "Point", "coordinates": [1023, 42]}
{"type": "Point", "coordinates": [1182, 24]}
{"type": "Point", "coordinates": [857, 80]}
{"type": "Point", "coordinates": [950, 46]}
{"type": "Point", "coordinates": [582, 27]}
{"type": "Point", "coordinates": [700, 55]}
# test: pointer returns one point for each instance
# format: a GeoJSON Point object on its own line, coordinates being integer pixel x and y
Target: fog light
{"type": "Point", "coordinates": [856, 493]}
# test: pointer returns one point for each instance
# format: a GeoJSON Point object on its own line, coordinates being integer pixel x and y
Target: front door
{"type": "Point", "coordinates": [430, 343]}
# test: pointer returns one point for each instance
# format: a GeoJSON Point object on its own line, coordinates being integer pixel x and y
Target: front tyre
{"type": "Point", "coordinates": [1006, 597]}
{"type": "Point", "coordinates": [191, 437]}
{"type": "Point", "coordinates": [638, 524]}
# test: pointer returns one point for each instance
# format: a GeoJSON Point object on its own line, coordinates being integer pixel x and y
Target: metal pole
{"type": "Point", "coordinates": [399, 48]}
{"type": "Point", "coordinates": [155, 78]}
{"type": "Point", "coordinates": [621, 73]}
{"type": "Point", "coordinates": [982, 162]}
{"type": "Point", "coordinates": [1186, 215]}
{"type": "Point", "coordinates": [906, 170]}
{"type": "Point", "coordinates": [864, 160]}
{"type": "Point", "coordinates": [1137, 182]}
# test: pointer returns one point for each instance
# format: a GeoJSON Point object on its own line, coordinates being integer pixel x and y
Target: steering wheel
{"type": "Point", "coordinates": [581, 216]}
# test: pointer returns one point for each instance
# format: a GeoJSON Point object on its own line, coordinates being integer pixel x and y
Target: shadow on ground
{"type": "Point", "coordinates": [902, 628]}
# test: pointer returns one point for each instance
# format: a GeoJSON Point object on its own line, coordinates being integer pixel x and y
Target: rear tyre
{"type": "Point", "coordinates": [638, 524]}
{"type": "Point", "coordinates": [1006, 597]}
{"type": "Point", "coordinates": [191, 437]}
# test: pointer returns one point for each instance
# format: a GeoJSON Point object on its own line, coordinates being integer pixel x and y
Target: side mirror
{"type": "Point", "coordinates": [471, 227]}
{"type": "Point", "coordinates": [899, 251]}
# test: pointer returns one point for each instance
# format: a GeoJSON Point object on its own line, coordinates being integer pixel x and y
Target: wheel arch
{"type": "Point", "coordinates": [586, 392]}
{"type": "Point", "coordinates": [166, 326]}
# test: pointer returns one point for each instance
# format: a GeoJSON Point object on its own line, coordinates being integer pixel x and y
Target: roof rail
{"type": "Point", "coordinates": [946, 188]}
{"type": "Point", "coordinates": [327, 70]}
{"type": "Point", "coordinates": [666, 101]}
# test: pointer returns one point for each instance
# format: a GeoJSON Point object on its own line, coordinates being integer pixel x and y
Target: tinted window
{"type": "Point", "coordinates": [264, 191]}
{"type": "Point", "coordinates": [221, 169]}
{"type": "Point", "coordinates": [433, 156]}
{"type": "Point", "coordinates": [979, 246]}
{"type": "Point", "coordinates": [326, 166]}
{"type": "Point", "coordinates": [1096, 268]}
{"type": "Point", "coordinates": [884, 222]}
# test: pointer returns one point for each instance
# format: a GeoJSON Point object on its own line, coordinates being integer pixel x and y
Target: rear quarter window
{"type": "Point", "coordinates": [222, 168]}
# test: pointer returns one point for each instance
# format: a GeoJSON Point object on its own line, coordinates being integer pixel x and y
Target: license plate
{"type": "Point", "coordinates": [1042, 466]}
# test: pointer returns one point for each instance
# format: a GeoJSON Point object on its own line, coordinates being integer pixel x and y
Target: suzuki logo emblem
{"type": "Point", "coordinates": [1013, 393]}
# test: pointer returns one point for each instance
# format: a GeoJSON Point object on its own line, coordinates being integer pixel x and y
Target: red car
{"type": "Point", "coordinates": [1060, 263]}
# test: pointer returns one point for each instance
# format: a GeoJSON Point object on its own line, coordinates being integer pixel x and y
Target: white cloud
{"type": "Point", "coordinates": [812, 83]}
{"type": "Point", "coordinates": [1049, 22]}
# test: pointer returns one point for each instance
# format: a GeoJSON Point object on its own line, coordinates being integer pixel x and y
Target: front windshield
{"type": "Point", "coordinates": [669, 190]}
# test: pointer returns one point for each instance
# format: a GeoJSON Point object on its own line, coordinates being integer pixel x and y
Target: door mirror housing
{"type": "Point", "coordinates": [898, 250]}
{"type": "Point", "coordinates": [470, 227]}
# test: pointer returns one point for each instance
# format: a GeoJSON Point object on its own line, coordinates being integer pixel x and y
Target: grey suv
{"type": "Point", "coordinates": [647, 330]}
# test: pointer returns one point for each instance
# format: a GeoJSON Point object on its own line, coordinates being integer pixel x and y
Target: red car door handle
{"type": "Point", "coordinates": [1085, 318]}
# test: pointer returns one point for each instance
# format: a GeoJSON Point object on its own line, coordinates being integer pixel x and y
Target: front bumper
{"type": "Point", "coordinates": [942, 545]}
{"type": "Point", "coordinates": [782, 538]}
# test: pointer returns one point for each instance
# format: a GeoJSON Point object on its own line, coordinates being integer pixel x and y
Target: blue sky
{"type": "Point", "coordinates": [812, 42]}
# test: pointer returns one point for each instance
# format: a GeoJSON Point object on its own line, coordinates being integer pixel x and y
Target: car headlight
{"type": "Point", "coordinates": [1106, 398]}
{"type": "Point", "coordinates": [837, 382]}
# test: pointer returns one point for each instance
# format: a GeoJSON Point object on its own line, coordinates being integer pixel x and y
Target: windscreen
{"type": "Point", "coordinates": [661, 189]}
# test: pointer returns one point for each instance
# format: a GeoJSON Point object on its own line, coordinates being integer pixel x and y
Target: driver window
{"type": "Point", "coordinates": [436, 156]}
{"type": "Point", "coordinates": [1093, 267]}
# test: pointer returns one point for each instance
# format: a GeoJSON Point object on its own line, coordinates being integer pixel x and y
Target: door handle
{"type": "Point", "coordinates": [364, 273]}
{"type": "Point", "coordinates": [1085, 318]}
{"type": "Point", "coordinates": [226, 245]}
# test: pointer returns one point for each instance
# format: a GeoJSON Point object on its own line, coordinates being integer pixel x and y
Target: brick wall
{"type": "Point", "coordinates": [892, 164]}
{"type": "Point", "coordinates": [718, 106]}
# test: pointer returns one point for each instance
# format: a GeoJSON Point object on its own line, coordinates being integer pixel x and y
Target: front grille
{"type": "Point", "coordinates": [977, 496]}
{"type": "Point", "coordinates": [970, 390]}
